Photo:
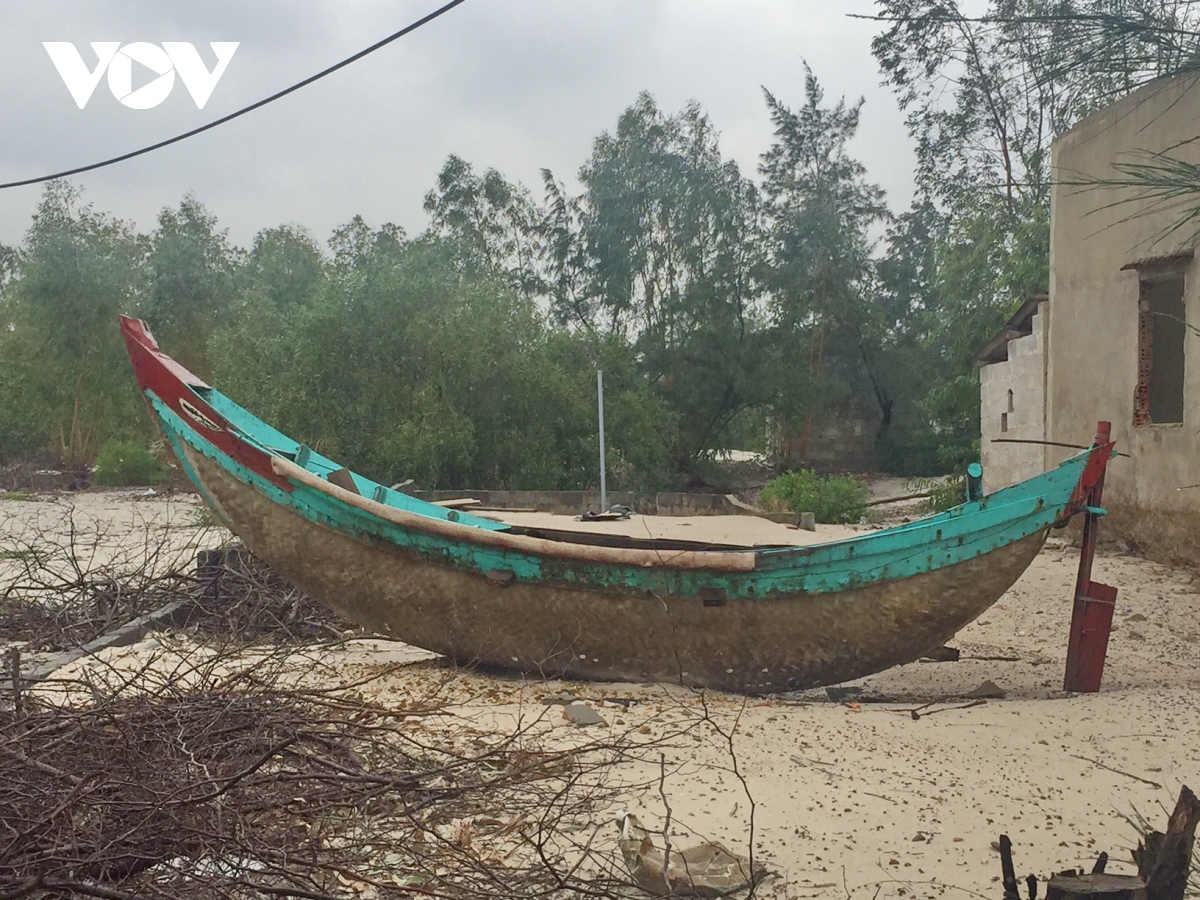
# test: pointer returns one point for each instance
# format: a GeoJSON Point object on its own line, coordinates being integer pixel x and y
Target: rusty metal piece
{"type": "Point", "coordinates": [1141, 393]}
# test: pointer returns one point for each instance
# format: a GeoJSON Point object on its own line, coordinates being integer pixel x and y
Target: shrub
{"type": "Point", "coordinates": [944, 493]}
{"type": "Point", "coordinates": [834, 498]}
{"type": "Point", "coordinates": [127, 463]}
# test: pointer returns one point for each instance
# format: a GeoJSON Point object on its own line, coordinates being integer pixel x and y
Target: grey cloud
{"type": "Point", "coordinates": [517, 86]}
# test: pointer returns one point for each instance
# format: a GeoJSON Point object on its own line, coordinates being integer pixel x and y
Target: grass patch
{"type": "Point", "coordinates": [24, 553]}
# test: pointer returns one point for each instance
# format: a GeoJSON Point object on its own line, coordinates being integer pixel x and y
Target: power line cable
{"type": "Point", "coordinates": [408, 29]}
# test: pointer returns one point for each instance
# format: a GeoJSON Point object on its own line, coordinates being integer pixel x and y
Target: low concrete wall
{"type": "Point", "coordinates": [681, 503]}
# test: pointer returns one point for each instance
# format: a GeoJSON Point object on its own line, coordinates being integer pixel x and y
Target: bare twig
{"type": "Point", "coordinates": [666, 829]}
{"type": "Point", "coordinates": [1098, 764]}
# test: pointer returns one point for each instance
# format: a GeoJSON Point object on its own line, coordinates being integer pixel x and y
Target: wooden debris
{"type": "Point", "coordinates": [582, 715]}
{"type": "Point", "coordinates": [1096, 887]}
{"type": "Point", "coordinates": [1163, 860]}
{"type": "Point", "coordinates": [1097, 763]}
{"type": "Point", "coordinates": [783, 518]}
{"type": "Point", "coordinates": [706, 870]}
{"type": "Point", "coordinates": [989, 690]}
{"type": "Point", "coordinates": [942, 654]}
{"type": "Point", "coordinates": [1006, 869]}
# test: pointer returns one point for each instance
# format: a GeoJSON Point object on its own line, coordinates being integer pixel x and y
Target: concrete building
{"type": "Point", "coordinates": [1012, 397]}
{"type": "Point", "coordinates": [1116, 339]}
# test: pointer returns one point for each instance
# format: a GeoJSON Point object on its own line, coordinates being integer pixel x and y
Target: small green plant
{"type": "Point", "coordinates": [127, 463]}
{"type": "Point", "coordinates": [833, 498]}
{"type": "Point", "coordinates": [28, 553]}
{"type": "Point", "coordinates": [18, 495]}
{"type": "Point", "coordinates": [944, 493]}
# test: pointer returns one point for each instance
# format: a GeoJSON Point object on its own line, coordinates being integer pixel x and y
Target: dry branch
{"type": "Point", "coordinates": [220, 782]}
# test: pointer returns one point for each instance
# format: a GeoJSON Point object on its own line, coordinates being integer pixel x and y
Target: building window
{"type": "Point", "coordinates": [1158, 399]}
{"type": "Point", "coordinates": [1004, 421]}
{"type": "Point", "coordinates": [1010, 400]}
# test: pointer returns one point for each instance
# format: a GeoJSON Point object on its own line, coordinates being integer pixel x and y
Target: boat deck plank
{"type": "Point", "coordinates": [747, 531]}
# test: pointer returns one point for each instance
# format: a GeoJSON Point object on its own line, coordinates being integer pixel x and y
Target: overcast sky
{"type": "Point", "coordinates": [517, 85]}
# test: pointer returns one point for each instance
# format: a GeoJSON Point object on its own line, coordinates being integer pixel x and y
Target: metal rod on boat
{"type": "Point", "coordinates": [600, 403]}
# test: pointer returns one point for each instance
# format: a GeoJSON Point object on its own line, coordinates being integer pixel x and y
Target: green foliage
{"type": "Point", "coordinates": [669, 240]}
{"type": "Point", "coordinates": [64, 374]}
{"type": "Point", "coordinates": [832, 498]}
{"type": "Point", "coordinates": [986, 91]}
{"type": "Point", "coordinates": [23, 411]}
{"type": "Point", "coordinates": [410, 366]}
{"type": "Point", "coordinates": [944, 493]}
{"type": "Point", "coordinates": [984, 97]}
{"type": "Point", "coordinates": [31, 554]}
{"type": "Point", "coordinates": [127, 462]}
{"type": "Point", "coordinates": [491, 222]}
{"type": "Point", "coordinates": [912, 451]}
{"type": "Point", "coordinates": [830, 327]}
{"type": "Point", "coordinates": [723, 312]}
{"type": "Point", "coordinates": [285, 267]}
{"type": "Point", "coordinates": [191, 280]}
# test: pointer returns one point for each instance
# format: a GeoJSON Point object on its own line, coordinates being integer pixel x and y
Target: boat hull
{"type": "Point", "coordinates": [781, 641]}
{"type": "Point", "coordinates": [754, 619]}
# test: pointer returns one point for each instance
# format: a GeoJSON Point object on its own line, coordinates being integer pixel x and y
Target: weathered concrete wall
{"type": "Point", "coordinates": [1092, 368]}
{"type": "Point", "coordinates": [1012, 404]}
{"type": "Point", "coordinates": [843, 441]}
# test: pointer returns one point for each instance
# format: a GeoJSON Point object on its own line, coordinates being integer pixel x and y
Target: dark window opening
{"type": "Point", "coordinates": [1010, 400]}
{"type": "Point", "coordinates": [1004, 421]}
{"type": "Point", "coordinates": [1161, 333]}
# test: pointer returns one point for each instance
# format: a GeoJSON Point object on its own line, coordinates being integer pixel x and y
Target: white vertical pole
{"type": "Point", "coordinates": [600, 402]}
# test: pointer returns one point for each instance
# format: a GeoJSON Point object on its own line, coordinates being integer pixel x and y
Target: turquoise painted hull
{"type": "Point", "coordinates": [763, 619]}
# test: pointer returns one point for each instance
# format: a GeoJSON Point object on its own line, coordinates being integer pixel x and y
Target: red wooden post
{"type": "Point", "coordinates": [1091, 620]}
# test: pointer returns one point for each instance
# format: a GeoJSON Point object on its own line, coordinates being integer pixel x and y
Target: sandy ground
{"type": "Point", "coordinates": [116, 530]}
{"type": "Point", "coordinates": [860, 798]}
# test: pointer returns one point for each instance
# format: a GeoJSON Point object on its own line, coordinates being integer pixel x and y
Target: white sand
{"type": "Point", "coordinates": [840, 793]}
{"type": "Point", "coordinates": [117, 531]}
{"type": "Point", "coordinates": [869, 780]}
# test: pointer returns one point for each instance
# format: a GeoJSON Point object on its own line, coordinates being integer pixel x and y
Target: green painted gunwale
{"type": "Point", "coordinates": [925, 545]}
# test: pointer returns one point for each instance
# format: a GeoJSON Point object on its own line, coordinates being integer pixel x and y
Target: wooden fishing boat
{"type": "Point", "coordinates": [594, 606]}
